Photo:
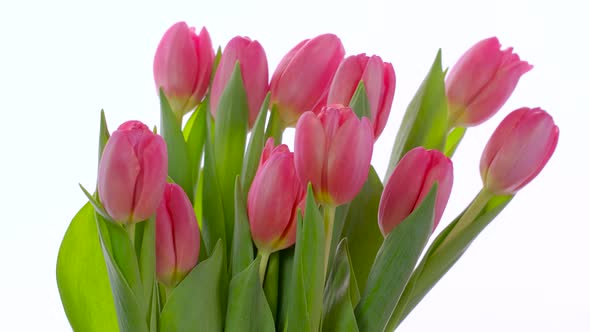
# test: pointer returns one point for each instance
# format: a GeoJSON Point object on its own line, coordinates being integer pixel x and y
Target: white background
{"type": "Point", "coordinates": [62, 61]}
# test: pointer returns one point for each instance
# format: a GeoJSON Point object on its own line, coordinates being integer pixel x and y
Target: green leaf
{"type": "Point", "coordinates": [286, 258]}
{"type": "Point", "coordinates": [197, 303]}
{"type": "Point", "coordinates": [231, 128]}
{"type": "Point", "coordinates": [271, 283]}
{"type": "Point", "coordinates": [179, 166]}
{"type": "Point", "coordinates": [213, 222]}
{"type": "Point", "coordinates": [362, 229]}
{"type": "Point", "coordinates": [275, 127]}
{"type": "Point", "coordinates": [453, 140]}
{"type": "Point", "coordinates": [255, 146]}
{"type": "Point", "coordinates": [360, 102]}
{"type": "Point", "coordinates": [340, 217]}
{"type": "Point", "coordinates": [103, 134]}
{"type": "Point", "coordinates": [96, 204]}
{"type": "Point", "coordinates": [247, 309]}
{"type": "Point", "coordinates": [307, 283]}
{"type": "Point", "coordinates": [82, 277]}
{"type": "Point", "coordinates": [442, 255]}
{"type": "Point", "coordinates": [393, 266]}
{"type": "Point", "coordinates": [194, 133]}
{"type": "Point", "coordinates": [242, 254]}
{"type": "Point", "coordinates": [147, 257]}
{"type": "Point", "coordinates": [124, 276]}
{"type": "Point", "coordinates": [338, 306]}
{"type": "Point", "coordinates": [425, 121]}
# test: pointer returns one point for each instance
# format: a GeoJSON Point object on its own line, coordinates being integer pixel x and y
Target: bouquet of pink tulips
{"type": "Point", "coordinates": [209, 223]}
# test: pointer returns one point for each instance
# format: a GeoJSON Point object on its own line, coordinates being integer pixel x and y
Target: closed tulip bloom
{"type": "Point", "coordinates": [177, 236]}
{"type": "Point", "coordinates": [379, 80]}
{"type": "Point", "coordinates": [518, 150]}
{"type": "Point", "coordinates": [182, 66]}
{"type": "Point", "coordinates": [303, 77]}
{"type": "Point", "coordinates": [410, 182]}
{"type": "Point", "coordinates": [273, 199]}
{"type": "Point", "coordinates": [132, 173]}
{"type": "Point", "coordinates": [481, 82]}
{"type": "Point", "coordinates": [254, 68]}
{"type": "Point", "coordinates": [333, 151]}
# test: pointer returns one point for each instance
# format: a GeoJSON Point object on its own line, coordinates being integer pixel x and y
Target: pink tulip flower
{"type": "Point", "coordinates": [132, 173]}
{"type": "Point", "coordinates": [518, 150]}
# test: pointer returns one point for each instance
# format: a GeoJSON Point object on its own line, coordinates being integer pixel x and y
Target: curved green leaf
{"type": "Point", "coordinates": [198, 302]}
{"type": "Point", "coordinates": [286, 259]}
{"type": "Point", "coordinates": [247, 309]}
{"type": "Point", "coordinates": [271, 283]}
{"type": "Point", "coordinates": [360, 102]}
{"type": "Point", "coordinates": [194, 134]}
{"type": "Point", "coordinates": [393, 266]}
{"type": "Point", "coordinates": [255, 146]}
{"type": "Point", "coordinates": [453, 140]}
{"type": "Point", "coordinates": [242, 253]}
{"type": "Point", "coordinates": [425, 121]}
{"type": "Point", "coordinates": [82, 277]}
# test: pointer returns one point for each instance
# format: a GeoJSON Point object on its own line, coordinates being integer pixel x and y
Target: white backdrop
{"type": "Point", "coordinates": [62, 61]}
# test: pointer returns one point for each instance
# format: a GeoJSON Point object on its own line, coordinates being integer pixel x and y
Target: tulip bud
{"type": "Point", "coordinates": [518, 150]}
{"type": "Point", "coordinates": [333, 151]}
{"type": "Point", "coordinates": [182, 66]}
{"type": "Point", "coordinates": [273, 199]}
{"type": "Point", "coordinates": [379, 80]}
{"type": "Point", "coordinates": [177, 236]}
{"type": "Point", "coordinates": [132, 173]}
{"type": "Point", "coordinates": [254, 67]}
{"type": "Point", "coordinates": [302, 79]}
{"type": "Point", "coordinates": [410, 182]}
{"type": "Point", "coordinates": [481, 82]}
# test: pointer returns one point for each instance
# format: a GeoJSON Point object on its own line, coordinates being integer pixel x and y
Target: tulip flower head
{"type": "Point", "coordinates": [303, 77]}
{"type": "Point", "coordinates": [333, 151]}
{"type": "Point", "coordinates": [410, 182]}
{"type": "Point", "coordinates": [132, 173]}
{"type": "Point", "coordinates": [274, 198]}
{"type": "Point", "coordinates": [177, 236]}
{"type": "Point", "coordinates": [379, 80]}
{"type": "Point", "coordinates": [518, 150]}
{"type": "Point", "coordinates": [482, 81]}
{"type": "Point", "coordinates": [254, 68]}
{"type": "Point", "coordinates": [182, 66]}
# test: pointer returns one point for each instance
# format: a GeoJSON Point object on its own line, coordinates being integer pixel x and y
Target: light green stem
{"type": "Point", "coordinates": [130, 228]}
{"type": "Point", "coordinates": [329, 213]}
{"type": "Point", "coordinates": [472, 211]}
{"type": "Point", "coordinates": [275, 127]}
{"type": "Point", "coordinates": [264, 256]}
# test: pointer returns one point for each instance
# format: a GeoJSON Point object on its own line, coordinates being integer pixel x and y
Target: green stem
{"type": "Point", "coordinates": [472, 212]}
{"type": "Point", "coordinates": [263, 262]}
{"type": "Point", "coordinates": [130, 228]}
{"type": "Point", "coordinates": [275, 127]}
{"type": "Point", "coordinates": [329, 212]}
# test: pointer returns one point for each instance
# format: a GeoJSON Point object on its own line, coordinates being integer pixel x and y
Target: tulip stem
{"type": "Point", "coordinates": [130, 228]}
{"type": "Point", "coordinates": [472, 212]}
{"type": "Point", "coordinates": [264, 256]}
{"type": "Point", "coordinates": [329, 213]}
{"type": "Point", "coordinates": [275, 127]}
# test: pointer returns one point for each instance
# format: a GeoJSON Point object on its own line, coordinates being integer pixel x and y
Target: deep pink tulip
{"type": "Point", "coordinates": [177, 236]}
{"type": "Point", "coordinates": [481, 82]}
{"type": "Point", "coordinates": [302, 79]}
{"type": "Point", "coordinates": [182, 66]}
{"type": "Point", "coordinates": [518, 150]}
{"type": "Point", "coordinates": [254, 67]}
{"type": "Point", "coordinates": [273, 199]}
{"type": "Point", "coordinates": [333, 151]}
{"type": "Point", "coordinates": [410, 182]}
{"type": "Point", "coordinates": [132, 173]}
{"type": "Point", "coordinates": [379, 80]}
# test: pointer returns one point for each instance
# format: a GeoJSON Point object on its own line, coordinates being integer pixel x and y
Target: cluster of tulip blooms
{"type": "Point", "coordinates": [203, 232]}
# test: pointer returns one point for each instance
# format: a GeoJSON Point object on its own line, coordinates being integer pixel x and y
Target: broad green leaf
{"type": "Point", "coordinates": [212, 222]}
{"type": "Point", "coordinates": [425, 121]}
{"type": "Point", "coordinates": [198, 302]}
{"type": "Point", "coordinates": [179, 166]}
{"type": "Point", "coordinates": [82, 277]}
{"type": "Point", "coordinates": [255, 146]}
{"type": "Point", "coordinates": [360, 102]}
{"type": "Point", "coordinates": [362, 229]}
{"type": "Point", "coordinates": [443, 253]}
{"type": "Point", "coordinates": [453, 140]}
{"type": "Point", "coordinates": [339, 222]}
{"type": "Point", "coordinates": [231, 128]}
{"type": "Point", "coordinates": [271, 283]}
{"type": "Point", "coordinates": [123, 271]}
{"type": "Point", "coordinates": [286, 258]}
{"type": "Point", "coordinates": [393, 266]}
{"type": "Point", "coordinates": [307, 283]}
{"type": "Point", "coordinates": [247, 309]}
{"type": "Point", "coordinates": [338, 306]}
{"type": "Point", "coordinates": [194, 134]}
{"type": "Point", "coordinates": [242, 253]}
